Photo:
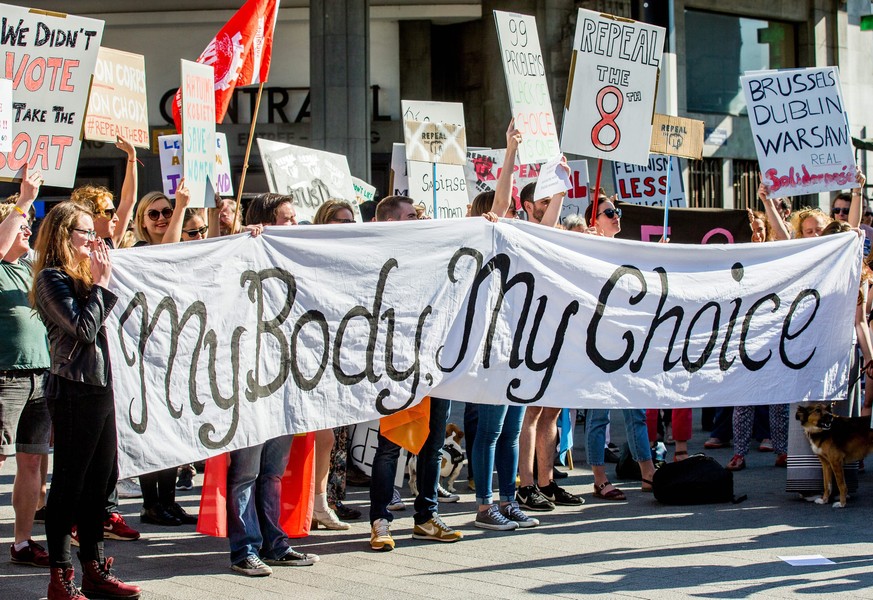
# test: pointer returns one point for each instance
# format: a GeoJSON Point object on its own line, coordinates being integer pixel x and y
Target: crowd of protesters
{"type": "Point", "coordinates": [56, 387]}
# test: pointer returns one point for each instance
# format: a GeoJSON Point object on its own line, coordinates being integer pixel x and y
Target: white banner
{"type": "Point", "coordinates": [170, 152]}
{"type": "Point", "coordinates": [801, 130]}
{"type": "Point", "coordinates": [528, 89]}
{"type": "Point", "coordinates": [647, 185]}
{"type": "Point", "coordinates": [310, 176]}
{"type": "Point", "coordinates": [50, 58]}
{"type": "Point", "coordinates": [198, 132]}
{"type": "Point", "coordinates": [613, 81]}
{"type": "Point", "coordinates": [305, 328]}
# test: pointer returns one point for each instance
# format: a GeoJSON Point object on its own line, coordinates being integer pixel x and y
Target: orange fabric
{"type": "Point", "coordinates": [298, 498]}
{"type": "Point", "coordinates": [408, 428]}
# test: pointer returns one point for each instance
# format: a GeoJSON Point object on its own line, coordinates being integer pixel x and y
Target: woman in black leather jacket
{"type": "Point", "coordinates": [71, 275]}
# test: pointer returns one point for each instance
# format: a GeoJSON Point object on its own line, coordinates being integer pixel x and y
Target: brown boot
{"type": "Point", "coordinates": [62, 586]}
{"type": "Point", "coordinates": [99, 582]}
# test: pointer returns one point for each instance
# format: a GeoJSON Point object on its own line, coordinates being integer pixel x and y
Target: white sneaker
{"type": "Point", "coordinates": [444, 495]}
{"type": "Point", "coordinates": [128, 488]}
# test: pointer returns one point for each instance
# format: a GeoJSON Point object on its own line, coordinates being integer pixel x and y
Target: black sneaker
{"type": "Point", "coordinates": [530, 498]}
{"type": "Point", "coordinates": [559, 496]}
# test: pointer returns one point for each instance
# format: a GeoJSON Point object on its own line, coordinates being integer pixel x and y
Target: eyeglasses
{"type": "Point", "coordinates": [841, 211]}
{"type": "Point", "coordinates": [106, 213]}
{"type": "Point", "coordinates": [196, 232]}
{"type": "Point", "coordinates": [25, 227]}
{"type": "Point", "coordinates": [89, 234]}
{"type": "Point", "coordinates": [610, 213]}
{"type": "Point", "coordinates": [342, 221]}
{"type": "Point", "coordinates": [154, 214]}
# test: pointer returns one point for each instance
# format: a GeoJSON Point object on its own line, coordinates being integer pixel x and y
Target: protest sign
{"type": "Point", "coordinates": [399, 177]}
{"type": "Point", "coordinates": [577, 198]}
{"type": "Point", "coordinates": [647, 185]}
{"type": "Point", "coordinates": [677, 136]}
{"type": "Point", "coordinates": [170, 151]}
{"type": "Point", "coordinates": [198, 131]}
{"type": "Point", "coordinates": [442, 143]}
{"type": "Point", "coordinates": [117, 104]}
{"type": "Point", "coordinates": [451, 185]}
{"type": "Point", "coordinates": [801, 130]}
{"type": "Point", "coordinates": [687, 225]}
{"type": "Point", "coordinates": [528, 89]}
{"type": "Point", "coordinates": [5, 115]}
{"type": "Point", "coordinates": [553, 179]}
{"type": "Point", "coordinates": [484, 166]}
{"type": "Point", "coordinates": [364, 192]}
{"type": "Point", "coordinates": [307, 328]}
{"type": "Point", "coordinates": [49, 57]}
{"type": "Point", "coordinates": [611, 92]}
{"type": "Point", "coordinates": [309, 176]}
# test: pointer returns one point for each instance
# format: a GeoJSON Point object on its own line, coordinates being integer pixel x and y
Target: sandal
{"type": "Point", "coordinates": [678, 453]}
{"type": "Point", "coordinates": [648, 490]}
{"type": "Point", "coordinates": [613, 494]}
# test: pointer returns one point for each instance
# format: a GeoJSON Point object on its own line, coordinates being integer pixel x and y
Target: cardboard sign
{"type": "Point", "coordinates": [677, 136]}
{"type": "Point", "coordinates": [528, 89]}
{"type": "Point", "coordinates": [611, 92]}
{"type": "Point", "coordinates": [553, 179]}
{"type": "Point", "coordinates": [5, 115]}
{"type": "Point", "coordinates": [450, 184]}
{"type": "Point", "coordinates": [430, 142]}
{"type": "Point", "coordinates": [399, 176]}
{"type": "Point", "coordinates": [117, 104]}
{"type": "Point", "coordinates": [309, 176]}
{"type": "Point", "coordinates": [198, 131]}
{"type": "Point", "coordinates": [801, 130]}
{"type": "Point", "coordinates": [364, 192]}
{"type": "Point", "coordinates": [687, 225]}
{"type": "Point", "coordinates": [49, 57]}
{"type": "Point", "coordinates": [578, 197]}
{"type": "Point", "coordinates": [171, 153]}
{"type": "Point", "coordinates": [648, 185]}
{"type": "Point", "coordinates": [484, 166]}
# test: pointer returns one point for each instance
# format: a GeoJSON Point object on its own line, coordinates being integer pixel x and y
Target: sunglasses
{"type": "Point", "coordinates": [106, 213]}
{"type": "Point", "coordinates": [195, 232]}
{"type": "Point", "coordinates": [841, 211]}
{"type": "Point", "coordinates": [89, 234]}
{"type": "Point", "coordinates": [611, 213]}
{"type": "Point", "coordinates": [155, 214]}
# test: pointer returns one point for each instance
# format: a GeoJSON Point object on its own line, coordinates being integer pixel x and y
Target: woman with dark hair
{"type": "Point", "coordinates": [71, 275]}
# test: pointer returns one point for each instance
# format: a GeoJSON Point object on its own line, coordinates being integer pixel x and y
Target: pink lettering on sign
{"type": "Point", "coordinates": [804, 179]}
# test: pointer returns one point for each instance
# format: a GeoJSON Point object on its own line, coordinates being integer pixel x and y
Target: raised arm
{"type": "Point", "coordinates": [777, 225]}
{"type": "Point", "coordinates": [174, 227]}
{"type": "Point", "coordinates": [11, 225]}
{"type": "Point", "coordinates": [855, 208]}
{"type": "Point", "coordinates": [503, 193]}
{"type": "Point", "coordinates": [127, 200]}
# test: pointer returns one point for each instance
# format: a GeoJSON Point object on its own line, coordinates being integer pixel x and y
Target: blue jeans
{"type": "Point", "coordinates": [429, 457]}
{"type": "Point", "coordinates": [496, 442]}
{"type": "Point", "coordinates": [254, 500]}
{"type": "Point", "coordinates": [634, 423]}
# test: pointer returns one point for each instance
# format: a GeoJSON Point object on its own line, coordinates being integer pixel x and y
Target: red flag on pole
{"type": "Point", "coordinates": [240, 54]}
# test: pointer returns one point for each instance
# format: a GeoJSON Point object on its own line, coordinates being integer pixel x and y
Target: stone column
{"type": "Point", "coordinates": [339, 80]}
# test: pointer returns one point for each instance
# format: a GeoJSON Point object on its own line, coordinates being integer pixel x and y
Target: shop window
{"type": "Point", "coordinates": [720, 48]}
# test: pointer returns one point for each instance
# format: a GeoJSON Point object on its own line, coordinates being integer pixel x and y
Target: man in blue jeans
{"type": "Point", "coordinates": [428, 525]}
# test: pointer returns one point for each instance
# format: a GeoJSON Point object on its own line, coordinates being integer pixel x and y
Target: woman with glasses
{"type": "Point", "coordinates": [71, 275]}
{"type": "Point", "coordinates": [332, 445]}
{"type": "Point", "coordinates": [607, 223]}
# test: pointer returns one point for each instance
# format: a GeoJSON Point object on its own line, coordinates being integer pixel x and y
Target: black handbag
{"type": "Point", "coordinates": [699, 479]}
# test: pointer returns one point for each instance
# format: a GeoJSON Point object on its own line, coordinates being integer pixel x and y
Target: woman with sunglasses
{"type": "Point", "coordinates": [607, 223]}
{"type": "Point", "coordinates": [110, 222]}
{"type": "Point", "coordinates": [152, 225]}
{"type": "Point", "coordinates": [332, 445]}
{"type": "Point", "coordinates": [71, 275]}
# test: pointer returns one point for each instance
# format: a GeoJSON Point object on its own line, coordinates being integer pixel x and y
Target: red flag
{"type": "Point", "coordinates": [240, 54]}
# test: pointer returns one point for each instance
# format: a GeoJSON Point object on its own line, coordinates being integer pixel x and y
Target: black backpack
{"type": "Point", "coordinates": [698, 479]}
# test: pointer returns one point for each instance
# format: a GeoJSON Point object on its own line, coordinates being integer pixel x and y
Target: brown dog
{"type": "Point", "coordinates": [836, 441]}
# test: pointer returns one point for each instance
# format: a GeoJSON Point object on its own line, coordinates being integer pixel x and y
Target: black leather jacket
{"type": "Point", "coordinates": [77, 336]}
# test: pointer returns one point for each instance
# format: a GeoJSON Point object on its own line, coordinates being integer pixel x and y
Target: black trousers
{"type": "Point", "coordinates": [158, 488]}
{"type": "Point", "coordinates": [84, 468]}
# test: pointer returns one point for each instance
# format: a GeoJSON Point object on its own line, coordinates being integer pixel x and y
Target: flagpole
{"type": "Point", "coordinates": [596, 194]}
{"type": "Point", "coordinates": [242, 179]}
